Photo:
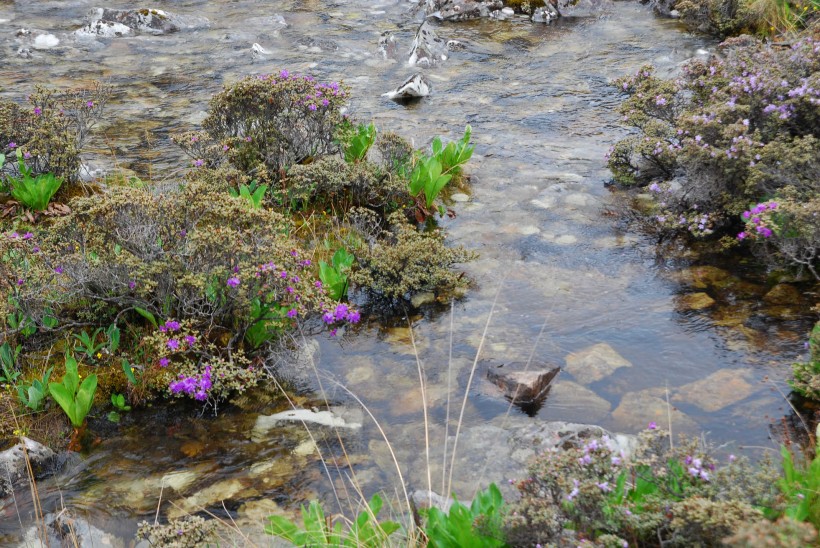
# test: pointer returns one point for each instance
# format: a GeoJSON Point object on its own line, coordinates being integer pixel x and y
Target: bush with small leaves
{"type": "Point", "coordinates": [406, 260]}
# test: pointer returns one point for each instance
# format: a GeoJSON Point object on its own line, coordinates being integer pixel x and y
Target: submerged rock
{"type": "Point", "coordinates": [265, 423]}
{"type": "Point", "coordinates": [595, 363]}
{"type": "Point", "coordinates": [414, 87]}
{"type": "Point", "coordinates": [427, 48]}
{"type": "Point", "coordinates": [695, 301]}
{"type": "Point", "coordinates": [546, 14]}
{"type": "Point", "coordinates": [638, 409]}
{"type": "Point", "coordinates": [717, 391]}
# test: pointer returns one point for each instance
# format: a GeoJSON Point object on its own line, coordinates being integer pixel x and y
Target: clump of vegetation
{"type": "Point", "coordinates": [263, 125]}
{"type": "Point", "coordinates": [806, 380]}
{"type": "Point", "coordinates": [406, 260]}
{"type": "Point", "coordinates": [187, 532]}
{"type": "Point", "coordinates": [50, 131]}
{"type": "Point", "coordinates": [660, 495]}
{"type": "Point", "coordinates": [365, 531]}
{"type": "Point", "coordinates": [731, 148]}
{"type": "Point", "coordinates": [480, 525]}
{"type": "Point", "coordinates": [733, 17]}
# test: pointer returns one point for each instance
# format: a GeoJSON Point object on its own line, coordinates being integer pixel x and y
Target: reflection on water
{"type": "Point", "coordinates": [543, 116]}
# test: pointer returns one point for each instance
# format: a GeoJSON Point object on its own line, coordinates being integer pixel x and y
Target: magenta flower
{"type": "Point", "coordinates": [199, 163]}
{"type": "Point", "coordinates": [653, 425]}
{"type": "Point", "coordinates": [233, 282]}
{"type": "Point", "coordinates": [354, 316]}
{"type": "Point", "coordinates": [90, 104]}
{"type": "Point", "coordinates": [173, 344]}
{"type": "Point", "coordinates": [171, 325]}
{"type": "Point", "coordinates": [163, 362]}
{"type": "Point", "coordinates": [190, 339]}
{"type": "Point", "coordinates": [741, 235]}
{"type": "Point", "coordinates": [292, 313]}
{"type": "Point", "coordinates": [12, 145]}
{"type": "Point", "coordinates": [38, 111]}
{"type": "Point", "coordinates": [58, 270]}
{"type": "Point", "coordinates": [132, 284]}
{"type": "Point", "coordinates": [28, 236]}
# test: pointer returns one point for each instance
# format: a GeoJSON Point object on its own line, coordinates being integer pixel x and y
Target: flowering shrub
{"type": "Point", "coordinates": [726, 134]}
{"type": "Point", "coordinates": [679, 496]}
{"type": "Point", "coordinates": [51, 130]}
{"type": "Point", "coordinates": [271, 121]}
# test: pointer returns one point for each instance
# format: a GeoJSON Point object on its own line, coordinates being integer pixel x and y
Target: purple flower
{"type": "Point", "coordinates": [163, 362]}
{"type": "Point", "coordinates": [173, 344]}
{"type": "Point", "coordinates": [58, 270]}
{"type": "Point", "coordinates": [27, 155]}
{"type": "Point", "coordinates": [28, 236]}
{"type": "Point", "coordinates": [199, 163]}
{"type": "Point", "coordinates": [653, 425]}
{"type": "Point", "coordinates": [604, 486]}
{"type": "Point", "coordinates": [225, 148]}
{"type": "Point", "coordinates": [292, 313]}
{"type": "Point", "coordinates": [171, 325]}
{"type": "Point", "coordinates": [90, 104]}
{"type": "Point", "coordinates": [333, 332]}
{"type": "Point", "coordinates": [317, 284]}
{"type": "Point", "coordinates": [21, 281]}
{"type": "Point", "coordinates": [190, 339]}
{"type": "Point", "coordinates": [132, 284]}
{"type": "Point", "coordinates": [741, 235]}
{"type": "Point", "coordinates": [38, 111]}
{"type": "Point", "coordinates": [732, 458]}
{"type": "Point", "coordinates": [284, 74]}
{"type": "Point", "coordinates": [12, 145]}
{"type": "Point", "coordinates": [312, 107]}
{"type": "Point", "coordinates": [341, 311]}
{"type": "Point", "coordinates": [233, 282]}
{"type": "Point", "coordinates": [328, 318]}
{"type": "Point", "coordinates": [354, 316]}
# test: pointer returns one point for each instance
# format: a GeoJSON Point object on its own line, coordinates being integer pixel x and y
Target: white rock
{"type": "Point", "coordinates": [45, 41]}
{"type": "Point", "coordinates": [413, 87]}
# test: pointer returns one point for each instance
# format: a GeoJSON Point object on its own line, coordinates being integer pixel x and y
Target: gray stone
{"type": "Point", "coordinates": [595, 363]}
{"type": "Point", "coordinates": [460, 10]}
{"type": "Point", "coordinates": [13, 468]}
{"type": "Point", "coordinates": [427, 48]}
{"type": "Point", "coordinates": [522, 384]}
{"type": "Point", "coordinates": [422, 498]}
{"type": "Point", "coordinates": [414, 87]}
{"type": "Point", "coordinates": [580, 402]}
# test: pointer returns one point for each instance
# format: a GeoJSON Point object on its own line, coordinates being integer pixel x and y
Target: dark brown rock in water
{"type": "Point", "coordinates": [526, 387]}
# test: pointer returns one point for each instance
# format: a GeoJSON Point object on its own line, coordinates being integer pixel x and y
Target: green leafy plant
{"type": "Point", "coordinates": [806, 380]}
{"type": "Point", "coordinates": [34, 395]}
{"type": "Point", "coordinates": [800, 486]}
{"type": "Point", "coordinates": [455, 154]}
{"type": "Point", "coordinates": [252, 194]}
{"type": "Point", "coordinates": [8, 361]}
{"type": "Point", "coordinates": [478, 525]}
{"type": "Point", "coordinates": [118, 401]}
{"type": "Point", "coordinates": [334, 275]}
{"type": "Point", "coordinates": [112, 335]}
{"type": "Point", "coordinates": [427, 178]}
{"type": "Point", "coordinates": [366, 531]}
{"type": "Point", "coordinates": [87, 344]}
{"type": "Point", "coordinates": [33, 191]}
{"type": "Point", "coordinates": [74, 398]}
{"type": "Point", "coordinates": [363, 138]}
{"type": "Point", "coordinates": [267, 322]}
{"type": "Point", "coordinates": [129, 372]}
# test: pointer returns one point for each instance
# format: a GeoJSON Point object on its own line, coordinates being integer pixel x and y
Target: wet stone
{"type": "Point", "coordinates": [695, 301]}
{"type": "Point", "coordinates": [717, 391]}
{"type": "Point", "coordinates": [595, 363]}
{"type": "Point", "coordinates": [702, 277]}
{"type": "Point", "coordinates": [526, 385]}
{"type": "Point", "coordinates": [638, 409]}
{"type": "Point", "coordinates": [783, 294]}
{"type": "Point", "coordinates": [582, 403]}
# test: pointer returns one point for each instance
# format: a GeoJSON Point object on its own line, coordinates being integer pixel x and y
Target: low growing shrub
{"type": "Point", "coordinates": [727, 136]}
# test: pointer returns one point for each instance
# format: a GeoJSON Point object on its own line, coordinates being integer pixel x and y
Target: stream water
{"type": "Point", "coordinates": [613, 309]}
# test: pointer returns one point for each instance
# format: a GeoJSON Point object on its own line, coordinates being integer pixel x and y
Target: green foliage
{"type": "Point", "coordinates": [267, 322]}
{"type": "Point", "coordinates": [806, 380]}
{"type": "Point", "coordinates": [800, 486]}
{"type": "Point", "coordinates": [480, 525]}
{"type": "Point", "coordinates": [118, 401]}
{"type": "Point", "coordinates": [74, 398]}
{"type": "Point", "coordinates": [360, 143]}
{"type": "Point", "coordinates": [8, 362]}
{"type": "Point", "coordinates": [252, 194]}
{"type": "Point", "coordinates": [455, 154]}
{"type": "Point", "coordinates": [365, 531]}
{"type": "Point", "coordinates": [129, 372]}
{"type": "Point", "coordinates": [334, 276]}
{"type": "Point", "coordinates": [34, 395]}
{"type": "Point", "coordinates": [428, 178]}
{"type": "Point", "coordinates": [33, 191]}
{"type": "Point", "coordinates": [87, 344]}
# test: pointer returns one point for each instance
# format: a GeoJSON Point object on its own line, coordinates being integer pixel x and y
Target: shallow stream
{"type": "Point", "coordinates": [613, 309]}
